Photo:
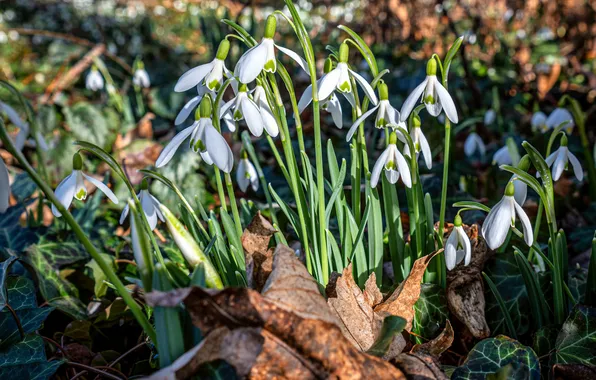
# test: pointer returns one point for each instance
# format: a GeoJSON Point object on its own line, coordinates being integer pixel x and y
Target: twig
{"type": "Point", "coordinates": [94, 370]}
{"type": "Point", "coordinates": [17, 320]}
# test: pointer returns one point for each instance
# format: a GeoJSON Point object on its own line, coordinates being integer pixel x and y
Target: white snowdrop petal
{"type": "Point", "coordinates": [426, 153]}
{"type": "Point", "coordinates": [168, 152]}
{"type": "Point", "coordinates": [379, 165]}
{"type": "Point", "coordinates": [124, 213]}
{"type": "Point", "coordinates": [102, 186]}
{"type": "Point", "coordinates": [218, 148]}
{"type": "Point", "coordinates": [368, 90]}
{"type": "Point", "coordinates": [466, 244]}
{"type": "Point", "coordinates": [305, 99]}
{"type": "Point", "coordinates": [446, 101]}
{"type": "Point", "coordinates": [296, 57]}
{"type": "Point", "coordinates": [526, 225]}
{"type": "Point", "coordinates": [4, 187]}
{"type": "Point", "coordinates": [359, 121]}
{"type": "Point", "coordinates": [251, 64]}
{"type": "Point", "coordinates": [403, 168]}
{"type": "Point", "coordinates": [577, 168]}
{"type": "Point", "coordinates": [269, 121]}
{"type": "Point", "coordinates": [560, 163]}
{"type": "Point", "coordinates": [392, 176]}
{"type": "Point", "coordinates": [520, 192]}
{"type": "Point", "coordinates": [188, 108]}
{"type": "Point", "coordinates": [148, 208]}
{"type": "Point", "coordinates": [451, 250]}
{"type": "Point", "coordinates": [252, 116]}
{"type": "Point", "coordinates": [329, 83]}
{"type": "Point", "coordinates": [497, 224]}
{"type": "Point", "coordinates": [241, 176]}
{"type": "Point", "coordinates": [334, 107]}
{"type": "Point", "coordinates": [65, 192]}
{"type": "Point", "coordinates": [193, 77]}
{"type": "Point", "coordinates": [411, 100]}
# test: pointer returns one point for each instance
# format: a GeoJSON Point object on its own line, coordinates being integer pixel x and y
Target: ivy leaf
{"type": "Point", "coordinates": [46, 259]}
{"type": "Point", "coordinates": [490, 355]}
{"type": "Point", "coordinates": [503, 271]}
{"type": "Point", "coordinates": [12, 235]}
{"type": "Point", "coordinates": [576, 342]}
{"type": "Point", "coordinates": [23, 187]}
{"type": "Point", "coordinates": [21, 298]}
{"type": "Point", "coordinates": [27, 360]}
{"type": "Point", "coordinates": [431, 311]}
{"type": "Point", "coordinates": [99, 276]}
{"type": "Point", "coordinates": [4, 266]}
{"type": "Point", "coordinates": [87, 123]}
{"type": "Point", "coordinates": [543, 344]}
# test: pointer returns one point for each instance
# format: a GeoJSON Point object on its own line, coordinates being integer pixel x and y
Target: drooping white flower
{"type": "Point", "coordinates": [209, 74]}
{"type": "Point", "coordinates": [243, 107]}
{"type": "Point", "coordinates": [457, 247]}
{"type": "Point", "coordinates": [521, 188]}
{"type": "Point", "coordinates": [73, 186]}
{"type": "Point", "coordinates": [490, 116]}
{"type": "Point", "coordinates": [386, 114]}
{"type": "Point", "coordinates": [473, 144]}
{"type": "Point", "coordinates": [204, 139]}
{"type": "Point", "coordinates": [559, 116]}
{"type": "Point", "coordinates": [246, 174]}
{"type": "Point", "coordinates": [262, 56]}
{"type": "Point", "coordinates": [434, 96]}
{"type": "Point", "coordinates": [394, 164]}
{"type": "Point", "coordinates": [420, 143]}
{"type": "Point", "coordinates": [502, 156]}
{"type": "Point", "coordinates": [141, 77]}
{"type": "Point", "coordinates": [149, 204]}
{"type": "Point", "coordinates": [339, 78]}
{"type": "Point", "coordinates": [4, 187]}
{"type": "Point", "coordinates": [538, 122]}
{"type": "Point", "coordinates": [269, 122]}
{"type": "Point", "coordinates": [559, 160]}
{"type": "Point", "coordinates": [502, 217]}
{"type": "Point", "coordinates": [94, 80]}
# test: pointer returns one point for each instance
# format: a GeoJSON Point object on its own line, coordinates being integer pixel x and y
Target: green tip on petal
{"type": "Point", "coordinates": [77, 162]}
{"type": "Point", "coordinates": [524, 163]}
{"type": "Point", "coordinates": [205, 107]}
{"type": "Point", "coordinates": [393, 138]}
{"type": "Point", "coordinates": [144, 184]}
{"type": "Point", "coordinates": [328, 65]}
{"type": "Point", "coordinates": [564, 140]}
{"type": "Point", "coordinates": [431, 67]}
{"type": "Point", "coordinates": [344, 52]}
{"type": "Point", "coordinates": [222, 50]}
{"type": "Point", "coordinates": [270, 26]}
{"type": "Point", "coordinates": [457, 221]}
{"type": "Point", "coordinates": [510, 189]}
{"type": "Point", "coordinates": [242, 87]}
{"type": "Point", "coordinates": [383, 91]}
{"type": "Point", "coordinates": [244, 155]}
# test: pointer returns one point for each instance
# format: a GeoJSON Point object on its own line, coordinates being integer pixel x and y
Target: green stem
{"type": "Point", "coordinates": [445, 180]}
{"type": "Point", "coordinates": [233, 205]}
{"type": "Point", "coordinates": [95, 254]}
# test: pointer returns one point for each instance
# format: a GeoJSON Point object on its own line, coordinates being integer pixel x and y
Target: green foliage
{"type": "Point", "coordinates": [431, 311]}
{"type": "Point", "coordinates": [87, 122]}
{"type": "Point", "coordinates": [27, 360]}
{"type": "Point", "coordinates": [492, 354]}
{"type": "Point", "coordinates": [99, 277]}
{"type": "Point", "coordinates": [392, 325]}
{"type": "Point", "coordinates": [576, 343]}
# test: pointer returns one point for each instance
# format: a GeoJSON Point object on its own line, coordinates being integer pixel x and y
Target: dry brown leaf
{"type": "Point", "coordinates": [293, 346]}
{"type": "Point", "coordinates": [573, 372]}
{"type": "Point", "coordinates": [419, 366]}
{"type": "Point", "coordinates": [437, 346]}
{"type": "Point", "coordinates": [465, 292]}
{"type": "Point", "coordinates": [258, 255]}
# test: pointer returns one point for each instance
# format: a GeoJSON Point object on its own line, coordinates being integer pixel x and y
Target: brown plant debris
{"type": "Point", "coordinates": [258, 255]}
{"type": "Point", "coordinates": [437, 346]}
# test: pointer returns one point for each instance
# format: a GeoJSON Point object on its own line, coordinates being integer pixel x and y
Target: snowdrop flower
{"type": "Point", "coordinates": [94, 80]}
{"type": "Point", "coordinates": [141, 77]}
{"type": "Point", "coordinates": [330, 104]}
{"type": "Point", "coordinates": [339, 78]}
{"type": "Point", "coordinates": [394, 163]}
{"type": "Point", "coordinates": [386, 114]}
{"type": "Point", "coordinates": [538, 122]}
{"type": "Point", "coordinates": [559, 160]}
{"type": "Point", "coordinates": [210, 74]}
{"type": "Point", "coordinates": [245, 108]}
{"type": "Point", "coordinates": [502, 216]}
{"type": "Point", "coordinates": [559, 116]}
{"type": "Point", "coordinates": [269, 122]}
{"type": "Point", "coordinates": [4, 187]}
{"type": "Point", "coordinates": [434, 96]}
{"type": "Point", "coordinates": [474, 144]}
{"type": "Point", "coordinates": [502, 157]}
{"type": "Point", "coordinates": [262, 56]}
{"type": "Point", "coordinates": [192, 104]}
{"type": "Point", "coordinates": [457, 247]}
{"type": "Point", "coordinates": [490, 116]}
{"type": "Point", "coordinates": [521, 189]}
{"type": "Point", "coordinates": [140, 247]}
{"type": "Point", "coordinates": [73, 186]}
{"type": "Point", "coordinates": [204, 139]}
{"type": "Point", "coordinates": [420, 142]}
{"type": "Point", "coordinates": [149, 204]}
{"type": "Point", "coordinates": [246, 174]}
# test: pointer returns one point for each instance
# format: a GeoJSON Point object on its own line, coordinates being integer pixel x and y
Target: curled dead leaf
{"type": "Point", "coordinates": [258, 255]}
{"type": "Point", "coordinates": [437, 346]}
{"type": "Point", "coordinates": [419, 365]}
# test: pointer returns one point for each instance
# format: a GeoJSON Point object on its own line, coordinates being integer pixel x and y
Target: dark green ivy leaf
{"type": "Point", "coordinates": [27, 360]}
{"type": "Point", "coordinates": [576, 343]}
{"type": "Point", "coordinates": [431, 311]}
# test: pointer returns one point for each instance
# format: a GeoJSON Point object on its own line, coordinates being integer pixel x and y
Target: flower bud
{"type": "Point", "coordinates": [270, 26]}
{"type": "Point", "coordinates": [510, 189]}
{"type": "Point", "coordinates": [77, 162]}
{"type": "Point", "coordinates": [344, 52]}
{"type": "Point", "coordinates": [223, 49]}
{"type": "Point", "coordinates": [204, 108]}
{"type": "Point", "coordinates": [524, 163]}
{"type": "Point", "coordinates": [328, 65]}
{"type": "Point", "coordinates": [383, 91]}
{"type": "Point", "coordinates": [393, 138]}
{"type": "Point", "coordinates": [431, 67]}
{"type": "Point", "coordinates": [457, 221]}
{"type": "Point", "coordinates": [242, 87]}
{"type": "Point", "coordinates": [144, 184]}
{"type": "Point", "coordinates": [564, 140]}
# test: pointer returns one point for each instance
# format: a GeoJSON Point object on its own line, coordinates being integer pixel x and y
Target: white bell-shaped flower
{"type": "Point", "coordinates": [73, 186]}
{"type": "Point", "coordinates": [386, 114]}
{"type": "Point", "coordinates": [94, 80]}
{"type": "Point", "coordinates": [473, 144]}
{"type": "Point", "coordinates": [538, 122]}
{"type": "Point", "coordinates": [560, 159]}
{"type": "Point", "coordinates": [502, 217]}
{"type": "Point", "coordinates": [140, 77]}
{"type": "Point", "coordinates": [191, 106]}
{"type": "Point", "coordinates": [394, 164]}
{"type": "Point", "coordinates": [262, 56]}
{"type": "Point", "coordinates": [204, 139]}
{"type": "Point", "coordinates": [149, 204]}
{"type": "Point", "coordinates": [210, 74]}
{"type": "Point", "coordinates": [269, 122]}
{"type": "Point", "coordinates": [457, 247]}
{"type": "Point", "coordinates": [502, 156]}
{"type": "Point", "coordinates": [490, 116]}
{"type": "Point", "coordinates": [339, 78]}
{"type": "Point", "coordinates": [559, 116]}
{"type": "Point", "coordinates": [434, 96]}
{"type": "Point", "coordinates": [243, 107]}
{"type": "Point", "coordinates": [4, 187]}
{"type": "Point", "coordinates": [420, 143]}
{"type": "Point", "coordinates": [246, 175]}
